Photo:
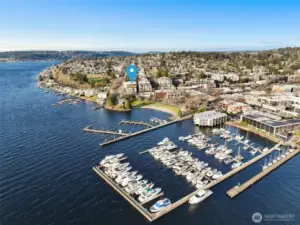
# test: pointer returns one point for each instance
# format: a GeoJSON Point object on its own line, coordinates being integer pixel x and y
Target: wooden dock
{"type": "Point", "coordinates": [145, 131]}
{"type": "Point", "coordinates": [154, 216]}
{"type": "Point", "coordinates": [137, 123]}
{"type": "Point", "coordinates": [238, 189]}
{"type": "Point", "coordinates": [126, 196]}
{"type": "Point", "coordinates": [213, 183]}
{"type": "Point", "coordinates": [90, 130]}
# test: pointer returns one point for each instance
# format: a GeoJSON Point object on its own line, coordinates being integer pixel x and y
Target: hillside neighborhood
{"type": "Point", "coordinates": [234, 83]}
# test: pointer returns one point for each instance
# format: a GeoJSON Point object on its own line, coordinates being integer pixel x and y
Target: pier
{"type": "Point", "coordinates": [145, 131]}
{"type": "Point", "coordinates": [126, 196]}
{"type": "Point", "coordinates": [154, 216]}
{"type": "Point", "coordinates": [90, 130]}
{"type": "Point", "coordinates": [238, 189]}
{"type": "Point", "coordinates": [137, 123]}
{"type": "Point", "coordinates": [213, 183]}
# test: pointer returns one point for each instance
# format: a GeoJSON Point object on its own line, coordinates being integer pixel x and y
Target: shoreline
{"type": "Point", "coordinates": [271, 138]}
{"type": "Point", "coordinates": [161, 109]}
{"type": "Point", "coordinates": [117, 110]}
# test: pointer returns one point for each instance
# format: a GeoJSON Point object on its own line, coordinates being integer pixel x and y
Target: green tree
{"type": "Point", "coordinates": [127, 104]}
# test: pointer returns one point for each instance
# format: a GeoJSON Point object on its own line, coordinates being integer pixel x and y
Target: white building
{"type": "Point", "coordinates": [130, 87]}
{"type": "Point", "coordinates": [164, 82]}
{"type": "Point", "coordinates": [209, 118]}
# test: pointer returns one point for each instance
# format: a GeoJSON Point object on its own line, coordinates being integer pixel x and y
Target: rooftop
{"type": "Point", "coordinates": [209, 114]}
{"type": "Point", "coordinates": [271, 122]}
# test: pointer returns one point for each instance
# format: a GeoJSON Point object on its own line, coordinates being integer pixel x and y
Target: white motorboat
{"type": "Point", "coordinates": [265, 166]}
{"type": "Point", "coordinates": [235, 165]}
{"type": "Point", "coordinates": [265, 149]}
{"type": "Point", "coordinates": [148, 194]}
{"type": "Point", "coordinates": [217, 175]}
{"type": "Point", "coordinates": [159, 205]}
{"type": "Point", "coordinates": [253, 151]}
{"type": "Point", "coordinates": [143, 187]}
{"type": "Point", "coordinates": [201, 184]}
{"type": "Point", "coordinates": [200, 196]}
{"type": "Point", "coordinates": [181, 138]}
{"type": "Point", "coordinates": [164, 141]}
{"type": "Point", "coordinates": [228, 160]}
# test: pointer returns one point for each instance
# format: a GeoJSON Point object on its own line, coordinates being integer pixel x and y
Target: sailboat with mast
{"type": "Point", "coordinates": [265, 166]}
{"type": "Point", "coordinates": [270, 161]}
{"type": "Point", "coordinates": [275, 159]}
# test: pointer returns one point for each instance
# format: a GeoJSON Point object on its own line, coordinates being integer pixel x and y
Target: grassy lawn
{"type": "Point", "coordinates": [140, 103]}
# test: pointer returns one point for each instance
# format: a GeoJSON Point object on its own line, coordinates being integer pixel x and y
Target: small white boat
{"type": "Point", "coordinates": [181, 138]}
{"type": "Point", "coordinates": [159, 205]}
{"type": "Point", "coordinates": [200, 196]}
{"type": "Point", "coordinates": [235, 165]}
{"type": "Point", "coordinates": [265, 149]}
{"type": "Point", "coordinates": [253, 151]}
{"type": "Point", "coordinates": [164, 141]}
{"type": "Point", "coordinates": [149, 194]}
{"type": "Point", "coordinates": [217, 175]}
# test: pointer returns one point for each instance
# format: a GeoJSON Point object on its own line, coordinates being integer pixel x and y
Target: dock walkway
{"type": "Point", "coordinates": [137, 123]}
{"type": "Point", "coordinates": [213, 183]}
{"type": "Point", "coordinates": [131, 200]}
{"type": "Point", "coordinates": [88, 129]}
{"type": "Point", "coordinates": [238, 189]}
{"type": "Point", "coordinates": [145, 130]}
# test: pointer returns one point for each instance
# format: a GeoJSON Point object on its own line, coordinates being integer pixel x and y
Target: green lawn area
{"type": "Point", "coordinates": [98, 81]}
{"type": "Point", "coordinates": [140, 103]}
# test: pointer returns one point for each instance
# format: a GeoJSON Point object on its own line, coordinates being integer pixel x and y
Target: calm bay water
{"type": "Point", "coordinates": [46, 164]}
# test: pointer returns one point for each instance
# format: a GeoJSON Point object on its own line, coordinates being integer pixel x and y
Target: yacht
{"type": "Point", "coordinates": [275, 158]}
{"type": "Point", "coordinates": [181, 138]}
{"type": "Point", "coordinates": [159, 205]}
{"type": "Point", "coordinates": [253, 151]}
{"type": "Point", "coordinates": [235, 165]}
{"type": "Point", "coordinates": [143, 187]}
{"type": "Point", "coordinates": [148, 194]}
{"type": "Point", "coordinates": [270, 162]}
{"type": "Point", "coordinates": [265, 166]}
{"type": "Point", "coordinates": [217, 175]}
{"type": "Point", "coordinates": [201, 184]}
{"type": "Point", "coordinates": [228, 160]}
{"type": "Point", "coordinates": [200, 196]}
{"type": "Point", "coordinates": [265, 149]}
{"type": "Point", "coordinates": [164, 141]}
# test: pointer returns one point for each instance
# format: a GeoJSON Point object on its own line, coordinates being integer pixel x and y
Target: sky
{"type": "Point", "coordinates": [148, 25]}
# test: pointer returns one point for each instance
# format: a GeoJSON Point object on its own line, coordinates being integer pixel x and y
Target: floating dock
{"type": "Point", "coordinates": [90, 130]}
{"type": "Point", "coordinates": [145, 130]}
{"type": "Point", "coordinates": [136, 123]}
{"type": "Point", "coordinates": [238, 189]}
{"type": "Point", "coordinates": [148, 215]}
{"type": "Point", "coordinates": [154, 216]}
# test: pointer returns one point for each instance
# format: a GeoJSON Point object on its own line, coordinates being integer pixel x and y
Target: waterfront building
{"type": "Point", "coordinates": [209, 118]}
{"type": "Point", "coordinates": [270, 125]}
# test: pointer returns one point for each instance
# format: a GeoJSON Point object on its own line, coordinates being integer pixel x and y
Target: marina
{"type": "Point", "coordinates": [240, 188]}
{"type": "Point", "coordinates": [90, 130]}
{"type": "Point", "coordinates": [144, 131]}
{"type": "Point", "coordinates": [197, 172]}
{"type": "Point", "coordinates": [136, 123]}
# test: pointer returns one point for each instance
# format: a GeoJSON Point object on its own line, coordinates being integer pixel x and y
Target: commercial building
{"type": "Point", "coordinates": [271, 126]}
{"type": "Point", "coordinates": [209, 118]}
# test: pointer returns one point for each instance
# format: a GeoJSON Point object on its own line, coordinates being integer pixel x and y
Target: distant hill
{"type": "Point", "coordinates": [57, 55]}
